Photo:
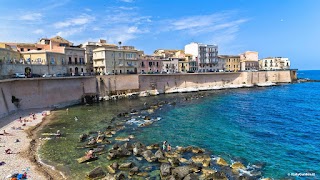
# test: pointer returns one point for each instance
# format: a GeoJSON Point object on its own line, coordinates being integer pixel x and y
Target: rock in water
{"type": "Point", "coordinates": [222, 162]}
{"type": "Point", "coordinates": [181, 172]}
{"type": "Point", "coordinates": [237, 165]}
{"type": "Point", "coordinates": [159, 154]}
{"type": "Point", "coordinates": [126, 166]}
{"type": "Point", "coordinates": [111, 170]}
{"type": "Point", "coordinates": [165, 169]}
{"type": "Point", "coordinates": [133, 171]}
{"type": "Point", "coordinates": [148, 155]}
{"type": "Point", "coordinates": [97, 173]}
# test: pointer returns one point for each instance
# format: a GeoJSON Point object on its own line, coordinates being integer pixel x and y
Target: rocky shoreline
{"type": "Point", "coordinates": [180, 163]}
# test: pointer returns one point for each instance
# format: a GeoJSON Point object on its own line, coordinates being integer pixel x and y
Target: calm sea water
{"type": "Point", "coordinates": [278, 126]}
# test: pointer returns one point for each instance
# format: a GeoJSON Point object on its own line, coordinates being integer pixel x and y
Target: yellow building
{"type": "Point", "coordinates": [44, 57]}
{"type": "Point", "coordinates": [8, 54]}
{"type": "Point", "coordinates": [232, 63]}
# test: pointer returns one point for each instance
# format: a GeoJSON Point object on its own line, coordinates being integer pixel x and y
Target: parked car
{"type": "Point", "coordinates": [19, 75]}
{"type": "Point", "coordinates": [35, 75]}
{"type": "Point", "coordinates": [47, 75]}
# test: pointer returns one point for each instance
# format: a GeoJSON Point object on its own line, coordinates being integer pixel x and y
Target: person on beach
{"type": "Point", "coordinates": [168, 147]}
{"type": "Point", "coordinates": [33, 116]}
{"type": "Point", "coordinates": [164, 145]}
{"type": "Point", "coordinates": [89, 154]}
{"type": "Point", "coordinates": [8, 151]}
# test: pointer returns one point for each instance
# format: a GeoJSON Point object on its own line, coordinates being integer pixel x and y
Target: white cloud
{"type": "Point", "coordinates": [82, 20]}
{"type": "Point", "coordinates": [31, 17]}
{"type": "Point", "coordinates": [38, 31]}
{"type": "Point", "coordinates": [70, 32]}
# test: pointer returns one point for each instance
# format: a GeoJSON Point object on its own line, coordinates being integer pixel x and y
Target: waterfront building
{"type": "Point", "coordinates": [168, 53]}
{"type": "Point", "coordinates": [89, 47]}
{"type": "Point", "coordinates": [230, 63]}
{"type": "Point", "coordinates": [274, 63]}
{"type": "Point", "coordinates": [170, 65]}
{"type": "Point", "coordinates": [205, 56]}
{"type": "Point", "coordinates": [150, 64]}
{"type": "Point", "coordinates": [9, 54]}
{"type": "Point", "coordinates": [118, 60]}
{"type": "Point", "coordinates": [249, 61]}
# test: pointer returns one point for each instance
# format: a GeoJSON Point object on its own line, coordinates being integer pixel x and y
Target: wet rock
{"type": "Point", "coordinates": [171, 177]}
{"type": "Point", "coordinates": [133, 171]}
{"type": "Point", "coordinates": [217, 176]}
{"type": "Point", "coordinates": [165, 170]}
{"type": "Point", "coordinates": [174, 161]}
{"type": "Point", "coordinates": [108, 134]}
{"type": "Point", "coordinates": [206, 163]}
{"type": "Point", "coordinates": [109, 177]}
{"type": "Point", "coordinates": [127, 146]}
{"type": "Point", "coordinates": [111, 170]}
{"type": "Point", "coordinates": [191, 177]}
{"type": "Point", "coordinates": [131, 136]}
{"type": "Point", "coordinates": [148, 155]}
{"type": "Point", "coordinates": [126, 166]}
{"type": "Point", "coordinates": [120, 176]}
{"type": "Point", "coordinates": [181, 171]}
{"type": "Point", "coordinates": [221, 162]}
{"type": "Point", "coordinates": [97, 173]}
{"type": "Point", "coordinates": [183, 160]}
{"type": "Point", "coordinates": [92, 141]}
{"type": "Point", "coordinates": [115, 165]}
{"type": "Point", "coordinates": [159, 154]}
{"type": "Point", "coordinates": [148, 123]}
{"type": "Point", "coordinates": [143, 174]}
{"type": "Point", "coordinates": [153, 146]}
{"type": "Point", "coordinates": [122, 139]}
{"type": "Point", "coordinates": [147, 118]}
{"type": "Point", "coordinates": [172, 154]}
{"type": "Point", "coordinates": [133, 111]}
{"type": "Point", "coordinates": [200, 158]}
{"type": "Point", "coordinates": [237, 165]}
{"type": "Point", "coordinates": [150, 111]}
{"type": "Point", "coordinates": [83, 137]}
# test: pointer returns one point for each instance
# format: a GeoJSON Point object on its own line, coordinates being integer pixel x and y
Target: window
{"type": "Point", "coordinates": [70, 60]}
{"type": "Point", "coordinates": [70, 70]}
{"type": "Point", "coordinates": [150, 64]}
{"type": "Point", "coordinates": [75, 60]}
{"type": "Point", "coordinates": [28, 49]}
{"type": "Point", "coordinates": [142, 64]}
{"type": "Point", "coordinates": [81, 69]}
{"type": "Point", "coordinates": [157, 64]}
{"type": "Point", "coordinates": [21, 49]}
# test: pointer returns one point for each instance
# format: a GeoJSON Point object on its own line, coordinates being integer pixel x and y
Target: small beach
{"type": "Point", "coordinates": [16, 137]}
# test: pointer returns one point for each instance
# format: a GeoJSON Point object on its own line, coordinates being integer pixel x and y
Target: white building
{"type": "Point", "coordinates": [124, 60]}
{"type": "Point", "coordinates": [170, 65]}
{"type": "Point", "coordinates": [274, 63]}
{"type": "Point", "coordinates": [205, 56]}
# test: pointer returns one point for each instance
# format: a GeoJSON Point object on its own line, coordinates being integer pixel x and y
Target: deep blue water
{"type": "Point", "coordinates": [279, 126]}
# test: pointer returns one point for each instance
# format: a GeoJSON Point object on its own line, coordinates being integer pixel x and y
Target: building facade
{"type": "Point", "coordinates": [230, 63]}
{"type": "Point", "coordinates": [150, 64]}
{"type": "Point", "coordinates": [205, 56]}
{"type": "Point", "coordinates": [170, 65]}
{"type": "Point", "coordinates": [8, 54]}
{"type": "Point", "coordinates": [274, 63]}
{"type": "Point", "coordinates": [249, 61]}
{"type": "Point", "coordinates": [120, 60]}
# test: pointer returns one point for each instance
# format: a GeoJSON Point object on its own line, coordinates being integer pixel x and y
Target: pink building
{"type": "Point", "coordinates": [150, 64]}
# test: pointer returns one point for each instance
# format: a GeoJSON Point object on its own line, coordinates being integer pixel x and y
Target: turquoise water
{"type": "Point", "coordinates": [278, 126]}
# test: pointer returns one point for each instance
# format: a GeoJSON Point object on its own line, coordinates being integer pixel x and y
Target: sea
{"type": "Point", "coordinates": [278, 127]}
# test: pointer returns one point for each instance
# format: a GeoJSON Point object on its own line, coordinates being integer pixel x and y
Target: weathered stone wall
{"type": "Point", "coordinates": [46, 92]}
{"type": "Point", "coordinates": [43, 92]}
{"type": "Point", "coordinates": [111, 84]}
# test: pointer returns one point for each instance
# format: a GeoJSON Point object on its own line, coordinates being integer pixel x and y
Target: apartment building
{"type": "Point", "coordinates": [205, 56]}
{"type": "Point", "coordinates": [150, 64]}
{"type": "Point", "coordinates": [118, 60]}
{"type": "Point", "coordinates": [249, 61]}
{"type": "Point", "coordinates": [274, 63]}
{"type": "Point", "coordinates": [230, 63]}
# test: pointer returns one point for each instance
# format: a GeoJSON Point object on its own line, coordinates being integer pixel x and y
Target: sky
{"type": "Point", "coordinates": [274, 28]}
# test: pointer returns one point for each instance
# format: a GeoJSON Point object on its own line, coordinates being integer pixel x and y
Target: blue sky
{"type": "Point", "coordinates": [287, 28]}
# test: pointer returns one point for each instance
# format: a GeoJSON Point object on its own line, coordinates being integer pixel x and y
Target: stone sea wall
{"type": "Point", "coordinates": [22, 94]}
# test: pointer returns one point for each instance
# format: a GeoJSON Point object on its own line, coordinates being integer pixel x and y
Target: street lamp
{"type": "Point", "coordinates": [120, 48]}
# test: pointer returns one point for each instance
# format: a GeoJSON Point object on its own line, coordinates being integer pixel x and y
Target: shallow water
{"type": "Point", "coordinates": [278, 126]}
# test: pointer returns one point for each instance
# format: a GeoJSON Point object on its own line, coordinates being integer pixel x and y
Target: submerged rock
{"type": "Point", "coordinates": [133, 171]}
{"type": "Point", "coordinates": [97, 173]}
{"type": "Point", "coordinates": [126, 166]}
{"type": "Point", "coordinates": [122, 139]}
{"type": "Point", "coordinates": [181, 172]}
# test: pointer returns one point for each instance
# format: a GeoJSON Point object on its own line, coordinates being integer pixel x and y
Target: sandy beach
{"type": "Point", "coordinates": [17, 136]}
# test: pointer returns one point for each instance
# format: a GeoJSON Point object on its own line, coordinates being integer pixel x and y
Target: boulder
{"type": "Point", "coordinates": [159, 154]}
{"type": "Point", "coordinates": [143, 174]}
{"type": "Point", "coordinates": [174, 161]}
{"type": "Point", "coordinates": [217, 175]}
{"type": "Point", "coordinates": [207, 171]}
{"type": "Point", "coordinates": [221, 162]}
{"type": "Point", "coordinates": [120, 176]}
{"type": "Point", "coordinates": [133, 171]}
{"type": "Point", "coordinates": [97, 173]}
{"type": "Point", "coordinates": [237, 165]}
{"type": "Point", "coordinates": [181, 171]}
{"type": "Point", "coordinates": [128, 146]}
{"type": "Point", "coordinates": [172, 154]}
{"type": "Point", "coordinates": [122, 139]}
{"type": "Point", "coordinates": [165, 170]}
{"type": "Point", "coordinates": [126, 166]}
{"type": "Point", "coordinates": [115, 165]}
{"type": "Point", "coordinates": [183, 160]}
{"type": "Point", "coordinates": [200, 158]}
{"type": "Point", "coordinates": [197, 150]}
{"type": "Point", "coordinates": [109, 177]}
{"type": "Point", "coordinates": [138, 148]}
{"type": "Point", "coordinates": [191, 177]}
{"type": "Point", "coordinates": [111, 170]}
{"type": "Point", "coordinates": [153, 146]}
{"type": "Point", "coordinates": [148, 155]}
{"type": "Point", "coordinates": [83, 137]}
{"type": "Point", "coordinates": [206, 163]}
